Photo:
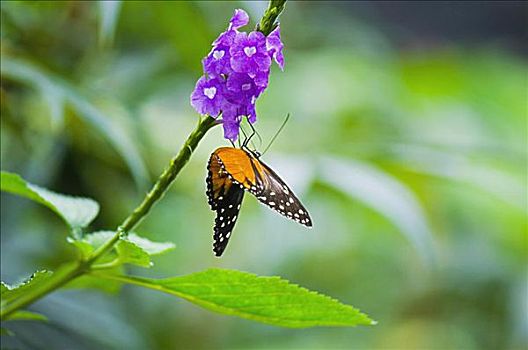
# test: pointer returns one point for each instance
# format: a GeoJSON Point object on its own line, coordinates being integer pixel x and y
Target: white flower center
{"type": "Point", "coordinates": [250, 50]}
{"type": "Point", "coordinates": [246, 87]}
{"type": "Point", "coordinates": [210, 92]}
{"type": "Point", "coordinates": [218, 54]}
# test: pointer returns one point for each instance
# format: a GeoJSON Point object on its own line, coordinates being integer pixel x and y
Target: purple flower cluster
{"type": "Point", "coordinates": [236, 73]}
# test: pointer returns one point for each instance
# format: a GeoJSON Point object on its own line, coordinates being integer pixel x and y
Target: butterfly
{"type": "Point", "coordinates": [233, 171]}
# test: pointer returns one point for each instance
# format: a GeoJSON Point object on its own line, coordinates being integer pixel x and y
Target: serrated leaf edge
{"type": "Point", "coordinates": [363, 319]}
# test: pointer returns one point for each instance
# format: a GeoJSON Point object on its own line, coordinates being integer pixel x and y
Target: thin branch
{"type": "Point", "coordinates": [269, 20]}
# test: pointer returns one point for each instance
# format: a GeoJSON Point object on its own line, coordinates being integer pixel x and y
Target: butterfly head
{"type": "Point", "coordinates": [256, 154]}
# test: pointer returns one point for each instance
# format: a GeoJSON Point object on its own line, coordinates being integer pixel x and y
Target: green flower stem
{"type": "Point", "coordinates": [70, 271]}
{"type": "Point", "coordinates": [269, 20]}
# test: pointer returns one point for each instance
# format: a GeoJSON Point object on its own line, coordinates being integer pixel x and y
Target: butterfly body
{"type": "Point", "coordinates": [231, 172]}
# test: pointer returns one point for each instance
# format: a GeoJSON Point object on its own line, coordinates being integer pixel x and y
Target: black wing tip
{"type": "Point", "coordinates": [307, 224]}
{"type": "Point", "coordinates": [218, 250]}
{"type": "Point", "coordinates": [217, 253]}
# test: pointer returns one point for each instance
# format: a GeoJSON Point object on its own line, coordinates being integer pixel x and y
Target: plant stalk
{"type": "Point", "coordinates": [269, 21]}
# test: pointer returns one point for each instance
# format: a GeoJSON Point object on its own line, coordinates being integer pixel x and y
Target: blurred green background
{"type": "Point", "coordinates": [407, 143]}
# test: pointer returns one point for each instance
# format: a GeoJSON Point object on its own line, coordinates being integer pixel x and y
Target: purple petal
{"type": "Point", "coordinates": [241, 84]}
{"type": "Point", "coordinates": [240, 18]}
{"type": "Point", "coordinates": [225, 38]}
{"type": "Point", "coordinates": [231, 121]}
{"type": "Point", "coordinates": [273, 40]}
{"type": "Point", "coordinates": [261, 80]}
{"type": "Point", "coordinates": [279, 58]}
{"type": "Point", "coordinates": [240, 63]}
{"type": "Point", "coordinates": [218, 61]}
{"type": "Point", "coordinates": [249, 53]}
{"type": "Point", "coordinates": [208, 96]}
{"type": "Point", "coordinates": [251, 112]}
{"type": "Point", "coordinates": [274, 46]}
{"type": "Point", "coordinates": [263, 62]}
{"type": "Point", "coordinates": [257, 37]}
{"type": "Point", "coordinates": [239, 40]}
{"type": "Point", "coordinates": [231, 131]}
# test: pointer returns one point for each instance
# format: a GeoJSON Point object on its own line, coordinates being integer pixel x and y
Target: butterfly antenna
{"type": "Point", "coordinates": [253, 133]}
{"type": "Point", "coordinates": [241, 145]}
{"type": "Point", "coordinates": [247, 139]}
{"type": "Point", "coordinates": [277, 133]}
{"type": "Point", "coordinates": [256, 133]}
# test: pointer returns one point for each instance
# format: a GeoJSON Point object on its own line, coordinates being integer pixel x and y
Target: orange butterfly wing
{"type": "Point", "coordinates": [238, 165]}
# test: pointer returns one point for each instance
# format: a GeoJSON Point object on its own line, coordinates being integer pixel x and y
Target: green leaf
{"type": "Point", "coordinates": [76, 211]}
{"type": "Point", "coordinates": [97, 239]}
{"type": "Point", "coordinates": [23, 315]}
{"type": "Point", "coordinates": [152, 248]}
{"type": "Point", "coordinates": [3, 288]}
{"type": "Point", "coordinates": [130, 253]}
{"type": "Point", "coordinates": [12, 292]}
{"type": "Point", "coordinates": [137, 250]}
{"type": "Point", "coordinates": [62, 92]}
{"type": "Point", "coordinates": [85, 248]}
{"type": "Point", "coordinates": [91, 242]}
{"type": "Point", "coordinates": [269, 300]}
{"type": "Point", "coordinates": [132, 249]}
